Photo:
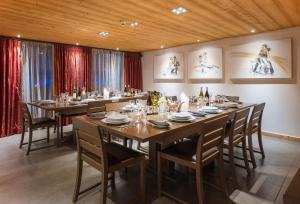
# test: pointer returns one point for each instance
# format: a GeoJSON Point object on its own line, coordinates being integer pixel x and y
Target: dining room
{"type": "Point", "coordinates": [159, 101]}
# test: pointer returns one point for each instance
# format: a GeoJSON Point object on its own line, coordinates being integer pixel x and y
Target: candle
{"type": "Point", "coordinates": [105, 94]}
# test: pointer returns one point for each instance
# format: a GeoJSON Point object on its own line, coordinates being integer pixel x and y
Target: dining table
{"type": "Point", "coordinates": [159, 138]}
{"type": "Point", "coordinates": [70, 109]}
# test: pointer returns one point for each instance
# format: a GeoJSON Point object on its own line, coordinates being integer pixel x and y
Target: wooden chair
{"type": "Point", "coordinates": [233, 98]}
{"type": "Point", "coordinates": [97, 106]}
{"type": "Point", "coordinates": [31, 124]}
{"type": "Point", "coordinates": [236, 135]}
{"type": "Point", "coordinates": [172, 98]}
{"type": "Point", "coordinates": [254, 126]}
{"type": "Point", "coordinates": [115, 106]}
{"type": "Point", "coordinates": [105, 157]}
{"type": "Point", "coordinates": [208, 148]}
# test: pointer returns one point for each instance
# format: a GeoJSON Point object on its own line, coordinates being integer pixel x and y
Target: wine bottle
{"type": "Point", "coordinates": [125, 90]}
{"type": "Point", "coordinates": [74, 93]}
{"type": "Point", "coordinates": [201, 94]}
{"type": "Point", "coordinates": [149, 100]}
{"type": "Point", "coordinates": [207, 96]}
{"type": "Point", "coordinates": [128, 90]}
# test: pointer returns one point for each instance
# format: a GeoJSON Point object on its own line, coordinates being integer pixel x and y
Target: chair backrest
{"type": "Point", "coordinates": [90, 143]}
{"type": "Point", "coordinates": [256, 115]}
{"type": "Point", "coordinates": [97, 106]}
{"type": "Point", "coordinates": [25, 113]}
{"type": "Point", "coordinates": [114, 106]}
{"type": "Point", "coordinates": [239, 126]}
{"type": "Point", "coordinates": [233, 98]}
{"type": "Point", "coordinates": [172, 98]}
{"type": "Point", "coordinates": [211, 138]}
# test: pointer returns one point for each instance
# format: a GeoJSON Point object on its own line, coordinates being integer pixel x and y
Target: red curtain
{"type": "Point", "coordinates": [133, 70]}
{"type": "Point", "coordinates": [10, 86]}
{"type": "Point", "coordinates": [72, 67]}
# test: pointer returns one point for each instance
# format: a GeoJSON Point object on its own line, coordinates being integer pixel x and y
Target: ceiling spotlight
{"type": "Point", "coordinates": [18, 36]}
{"type": "Point", "coordinates": [134, 24]}
{"type": "Point", "coordinates": [198, 40]}
{"type": "Point", "coordinates": [252, 30]}
{"type": "Point", "coordinates": [103, 33]}
{"type": "Point", "coordinates": [117, 48]}
{"type": "Point", "coordinates": [122, 23]}
{"type": "Point", "coordinates": [161, 47]}
{"type": "Point", "coordinates": [179, 10]}
{"type": "Point", "coordinates": [77, 43]}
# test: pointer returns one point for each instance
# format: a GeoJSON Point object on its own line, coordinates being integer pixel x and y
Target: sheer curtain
{"type": "Point", "coordinates": [107, 70]}
{"type": "Point", "coordinates": [36, 66]}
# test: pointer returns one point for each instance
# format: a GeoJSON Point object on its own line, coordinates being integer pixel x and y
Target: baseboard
{"type": "Point", "coordinates": [281, 136]}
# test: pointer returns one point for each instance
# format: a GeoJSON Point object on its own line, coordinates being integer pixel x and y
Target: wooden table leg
{"type": "Point", "coordinates": [153, 148]}
{"type": "Point", "coordinates": [58, 129]}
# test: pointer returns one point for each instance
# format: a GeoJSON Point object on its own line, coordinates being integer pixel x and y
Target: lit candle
{"type": "Point", "coordinates": [105, 94]}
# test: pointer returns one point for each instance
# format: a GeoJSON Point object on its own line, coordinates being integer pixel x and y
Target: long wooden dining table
{"type": "Point", "coordinates": [159, 138]}
{"type": "Point", "coordinates": [67, 109]}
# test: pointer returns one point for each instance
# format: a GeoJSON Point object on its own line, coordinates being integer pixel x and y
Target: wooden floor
{"type": "Point", "coordinates": [48, 176]}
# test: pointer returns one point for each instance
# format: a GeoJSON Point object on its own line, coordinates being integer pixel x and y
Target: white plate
{"type": "Point", "coordinates": [46, 102]}
{"type": "Point", "coordinates": [130, 107]}
{"type": "Point", "coordinates": [181, 115]}
{"type": "Point", "coordinates": [115, 122]}
{"type": "Point", "coordinates": [213, 111]}
{"type": "Point", "coordinates": [117, 117]}
{"type": "Point", "coordinates": [190, 119]}
{"type": "Point", "coordinates": [87, 100]}
{"type": "Point", "coordinates": [204, 108]}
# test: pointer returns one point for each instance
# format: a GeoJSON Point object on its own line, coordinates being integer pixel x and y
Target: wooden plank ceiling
{"type": "Point", "coordinates": [71, 21]}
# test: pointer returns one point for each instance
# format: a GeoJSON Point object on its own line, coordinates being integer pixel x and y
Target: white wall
{"type": "Point", "coordinates": [282, 112]}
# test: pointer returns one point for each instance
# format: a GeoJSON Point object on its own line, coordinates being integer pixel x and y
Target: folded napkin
{"type": "Point", "coordinates": [159, 123]}
{"type": "Point", "coordinates": [198, 113]}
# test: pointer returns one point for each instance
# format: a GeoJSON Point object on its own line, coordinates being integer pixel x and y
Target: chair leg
{"type": "Point", "coordinates": [22, 137]}
{"type": "Point", "coordinates": [48, 134]}
{"type": "Point", "coordinates": [260, 143]}
{"type": "Point", "coordinates": [143, 180]}
{"type": "Point", "coordinates": [250, 145]}
{"type": "Point", "coordinates": [159, 174]}
{"type": "Point", "coordinates": [125, 142]}
{"type": "Point", "coordinates": [54, 129]}
{"type": "Point", "coordinates": [232, 165]}
{"type": "Point", "coordinates": [29, 141]}
{"type": "Point", "coordinates": [244, 146]}
{"type": "Point", "coordinates": [199, 183]}
{"type": "Point", "coordinates": [130, 143]}
{"type": "Point", "coordinates": [78, 181]}
{"type": "Point", "coordinates": [104, 188]}
{"type": "Point", "coordinates": [61, 128]}
{"type": "Point", "coordinates": [221, 174]}
{"type": "Point", "coordinates": [113, 181]}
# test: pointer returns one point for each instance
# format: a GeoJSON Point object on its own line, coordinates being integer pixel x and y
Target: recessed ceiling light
{"type": "Point", "coordinates": [198, 40]}
{"type": "Point", "coordinates": [134, 24]}
{"type": "Point", "coordinates": [77, 43]}
{"type": "Point", "coordinates": [18, 36]}
{"type": "Point", "coordinates": [252, 30]}
{"type": "Point", "coordinates": [161, 47]}
{"type": "Point", "coordinates": [103, 33]}
{"type": "Point", "coordinates": [122, 23]}
{"type": "Point", "coordinates": [117, 48]}
{"type": "Point", "coordinates": [179, 10]}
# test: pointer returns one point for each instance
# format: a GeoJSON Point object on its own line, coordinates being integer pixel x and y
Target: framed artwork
{"type": "Point", "coordinates": [169, 67]}
{"type": "Point", "coordinates": [205, 64]}
{"type": "Point", "coordinates": [266, 60]}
